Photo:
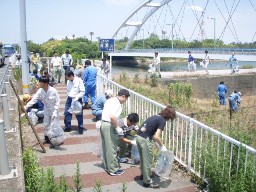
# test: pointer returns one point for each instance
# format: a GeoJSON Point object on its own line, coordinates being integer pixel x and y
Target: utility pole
{"type": "Point", "coordinates": [91, 33]}
{"type": "Point", "coordinates": [172, 33]}
{"type": "Point", "coordinates": [143, 45]}
{"type": "Point", "coordinates": [23, 46]}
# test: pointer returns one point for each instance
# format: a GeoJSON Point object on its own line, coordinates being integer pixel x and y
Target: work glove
{"type": "Point", "coordinates": [54, 114]}
{"type": "Point", "coordinates": [22, 115]}
{"type": "Point", "coordinates": [119, 131]}
{"type": "Point", "coordinates": [133, 142]}
{"type": "Point", "coordinates": [136, 127]}
{"type": "Point", "coordinates": [34, 110]}
{"type": "Point", "coordinates": [163, 148]}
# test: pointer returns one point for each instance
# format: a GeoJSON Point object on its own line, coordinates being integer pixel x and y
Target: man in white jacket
{"type": "Point", "coordinates": [75, 92]}
{"type": "Point", "coordinates": [50, 97]}
{"type": "Point", "coordinates": [156, 63]}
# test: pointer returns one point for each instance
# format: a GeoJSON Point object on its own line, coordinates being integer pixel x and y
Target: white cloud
{"type": "Point", "coordinates": [121, 2]}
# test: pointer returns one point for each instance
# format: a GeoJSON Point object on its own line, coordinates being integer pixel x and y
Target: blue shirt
{"type": "Point", "coordinates": [99, 103]}
{"type": "Point", "coordinates": [90, 74]}
{"type": "Point", "coordinates": [190, 58]}
{"type": "Point", "coordinates": [236, 97]}
{"type": "Point", "coordinates": [38, 105]}
{"type": "Point", "coordinates": [222, 89]}
{"type": "Point", "coordinates": [35, 75]}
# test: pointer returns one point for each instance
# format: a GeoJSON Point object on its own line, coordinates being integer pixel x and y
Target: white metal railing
{"type": "Point", "coordinates": [187, 137]}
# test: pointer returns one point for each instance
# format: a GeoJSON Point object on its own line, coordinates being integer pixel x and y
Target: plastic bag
{"type": "Point", "coordinates": [135, 154]}
{"type": "Point", "coordinates": [76, 108]}
{"type": "Point", "coordinates": [152, 69]}
{"type": "Point", "coordinates": [33, 117]}
{"type": "Point", "coordinates": [56, 133]}
{"type": "Point", "coordinates": [164, 164]}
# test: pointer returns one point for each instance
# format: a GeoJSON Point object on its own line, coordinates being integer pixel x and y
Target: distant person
{"type": "Point", "coordinates": [75, 92]}
{"type": "Point", "coordinates": [56, 64]}
{"type": "Point", "coordinates": [98, 105]}
{"type": "Point", "coordinates": [233, 63]}
{"type": "Point", "coordinates": [34, 59]}
{"type": "Point", "coordinates": [105, 68]}
{"type": "Point", "coordinates": [67, 61]}
{"type": "Point", "coordinates": [156, 63]}
{"type": "Point", "coordinates": [191, 62]}
{"type": "Point", "coordinates": [205, 61]}
{"type": "Point", "coordinates": [234, 101]}
{"type": "Point", "coordinates": [150, 132]}
{"type": "Point", "coordinates": [110, 130]}
{"type": "Point", "coordinates": [89, 80]}
{"type": "Point", "coordinates": [51, 79]}
{"type": "Point", "coordinates": [18, 63]}
{"type": "Point", "coordinates": [35, 74]}
{"type": "Point", "coordinates": [222, 90]}
{"type": "Point", "coordinates": [79, 71]}
{"type": "Point", "coordinates": [50, 97]}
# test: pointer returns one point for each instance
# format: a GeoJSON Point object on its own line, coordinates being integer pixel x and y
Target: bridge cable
{"type": "Point", "coordinates": [252, 6]}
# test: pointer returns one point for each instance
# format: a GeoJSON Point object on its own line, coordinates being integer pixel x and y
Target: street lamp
{"type": "Point", "coordinates": [214, 35]}
{"type": "Point", "coordinates": [91, 33]}
{"type": "Point", "coordinates": [172, 33]}
{"type": "Point", "coordinates": [143, 38]}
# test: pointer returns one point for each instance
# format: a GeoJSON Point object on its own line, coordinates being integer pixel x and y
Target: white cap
{"type": "Point", "coordinates": [109, 93]}
{"type": "Point", "coordinates": [239, 93]}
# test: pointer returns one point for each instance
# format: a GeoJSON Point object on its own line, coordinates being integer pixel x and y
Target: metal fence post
{"type": "Point", "coordinates": [8, 92]}
{"type": "Point", "coordinates": [4, 162]}
{"type": "Point", "coordinates": [6, 112]}
{"type": "Point", "coordinates": [190, 140]}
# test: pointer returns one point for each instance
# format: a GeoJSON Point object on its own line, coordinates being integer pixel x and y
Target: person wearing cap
{"type": "Point", "coordinates": [222, 90]}
{"type": "Point", "coordinates": [105, 70]}
{"type": "Point", "coordinates": [79, 72]}
{"type": "Point", "coordinates": [89, 80]}
{"type": "Point", "coordinates": [38, 107]}
{"type": "Point", "coordinates": [98, 105]}
{"type": "Point", "coordinates": [110, 130]}
{"type": "Point", "coordinates": [232, 62]}
{"type": "Point", "coordinates": [75, 92]}
{"type": "Point", "coordinates": [150, 132]}
{"type": "Point", "coordinates": [128, 124]}
{"type": "Point", "coordinates": [234, 101]}
{"type": "Point", "coordinates": [156, 63]}
{"type": "Point", "coordinates": [67, 61]}
{"type": "Point", "coordinates": [50, 97]}
{"type": "Point", "coordinates": [56, 64]}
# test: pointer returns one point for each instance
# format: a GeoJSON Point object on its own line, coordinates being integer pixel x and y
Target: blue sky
{"type": "Point", "coordinates": [58, 18]}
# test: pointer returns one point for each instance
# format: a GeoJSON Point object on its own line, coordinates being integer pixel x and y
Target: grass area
{"type": "Point", "coordinates": [241, 125]}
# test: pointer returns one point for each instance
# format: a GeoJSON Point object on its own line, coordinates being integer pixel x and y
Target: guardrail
{"type": "Point", "coordinates": [190, 140]}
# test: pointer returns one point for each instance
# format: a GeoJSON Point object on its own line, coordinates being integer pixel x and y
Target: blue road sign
{"type": "Point", "coordinates": [107, 44]}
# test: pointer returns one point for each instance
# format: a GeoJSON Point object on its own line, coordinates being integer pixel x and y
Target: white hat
{"type": "Point", "coordinates": [239, 93]}
{"type": "Point", "coordinates": [109, 93]}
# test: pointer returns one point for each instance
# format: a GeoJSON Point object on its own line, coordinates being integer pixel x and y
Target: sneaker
{"type": "Point", "coordinates": [81, 131]}
{"type": "Point", "coordinates": [67, 129]}
{"type": "Point", "coordinates": [151, 185]}
{"type": "Point", "coordinates": [122, 159]}
{"type": "Point", "coordinates": [118, 172]}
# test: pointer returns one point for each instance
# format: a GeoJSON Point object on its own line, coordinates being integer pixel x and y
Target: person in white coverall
{"type": "Point", "coordinates": [50, 97]}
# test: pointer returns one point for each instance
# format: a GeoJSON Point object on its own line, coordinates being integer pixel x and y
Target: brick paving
{"type": "Point", "coordinates": [82, 148]}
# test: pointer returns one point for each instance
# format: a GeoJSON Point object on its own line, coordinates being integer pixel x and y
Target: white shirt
{"type": "Point", "coordinates": [75, 88]}
{"type": "Point", "coordinates": [67, 59]}
{"type": "Point", "coordinates": [18, 63]}
{"type": "Point", "coordinates": [111, 107]}
{"type": "Point", "coordinates": [56, 61]}
{"type": "Point", "coordinates": [156, 60]}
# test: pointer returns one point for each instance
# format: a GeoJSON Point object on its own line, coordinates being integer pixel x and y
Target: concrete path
{"type": "Point", "coordinates": [82, 148]}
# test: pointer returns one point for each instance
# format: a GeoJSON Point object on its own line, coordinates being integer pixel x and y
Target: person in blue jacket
{"type": "Point", "coordinates": [222, 90]}
{"type": "Point", "coordinates": [234, 101]}
{"type": "Point", "coordinates": [89, 80]}
{"type": "Point", "coordinates": [98, 106]}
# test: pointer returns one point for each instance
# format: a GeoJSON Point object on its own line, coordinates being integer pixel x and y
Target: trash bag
{"type": "Point", "coordinates": [152, 68]}
{"type": "Point", "coordinates": [98, 125]}
{"type": "Point", "coordinates": [56, 133]}
{"type": "Point", "coordinates": [76, 108]}
{"type": "Point", "coordinates": [164, 163]}
{"type": "Point", "coordinates": [33, 117]}
{"type": "Point", "coordinates": [135, 154]}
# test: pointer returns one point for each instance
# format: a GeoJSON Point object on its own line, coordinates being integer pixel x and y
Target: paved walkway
{"type": "Point", "coordinates": [81, 148]}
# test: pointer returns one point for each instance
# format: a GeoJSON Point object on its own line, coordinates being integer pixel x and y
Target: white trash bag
{"type": "Point", "coordinates": [164, 163]}
{"type": "Point", "coordinates": [56, 133]}
{"type": "Point", "coordinates": [76, 108]}
{"type": "Point", "coordinates": [135, 154]}
{"type": "Point", "coordinates": [152, 68]}
{"type": "Point", "coordinates": [33, 117]}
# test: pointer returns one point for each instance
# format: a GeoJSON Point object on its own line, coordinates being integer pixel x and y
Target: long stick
{"type": "Point", "coordinates": [26, 115]}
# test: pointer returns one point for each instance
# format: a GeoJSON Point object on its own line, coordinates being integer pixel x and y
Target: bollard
{"type": "Point", "coordinates": [8, 92]}
{"type": "Point", "coordinates": [4, 162]}
{"type": "Point", "coordinates": [6, 112]}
